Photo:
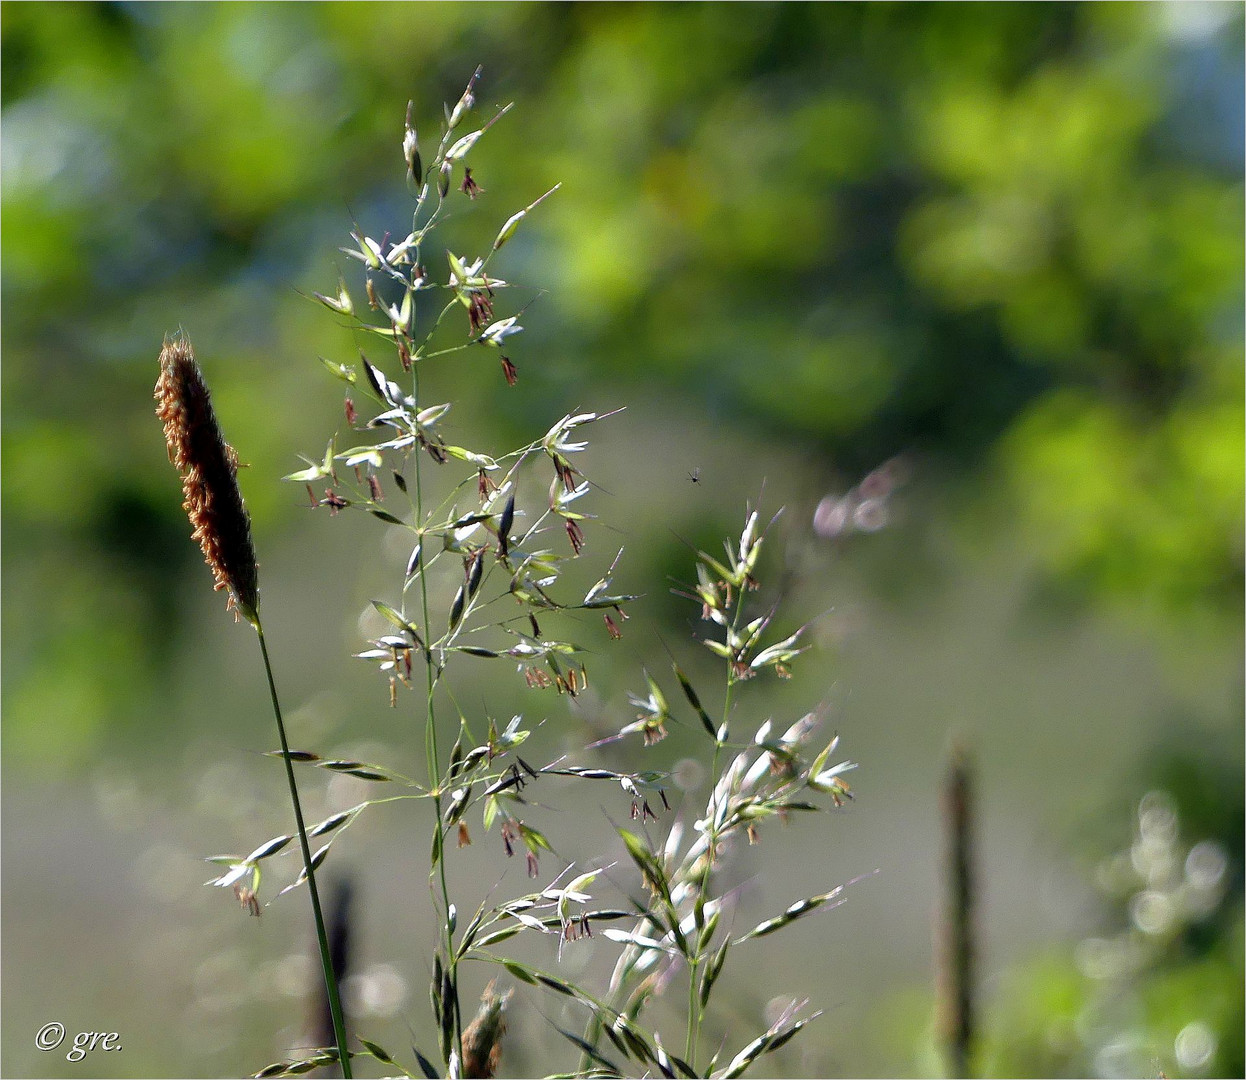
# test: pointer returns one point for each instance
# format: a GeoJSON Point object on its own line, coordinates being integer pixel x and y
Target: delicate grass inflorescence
{"type": "Point", "coordinates": [498, 552]}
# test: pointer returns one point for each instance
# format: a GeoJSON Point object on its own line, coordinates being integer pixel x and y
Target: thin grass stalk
{"type": "Point", "coordinates": [322, 939]}
{"type": "Point", "coordinates": [956, 952]}
{"type": "Point", "coordinates": [222, 527]}
{"type": "Point", "coordinates": [433, 759]}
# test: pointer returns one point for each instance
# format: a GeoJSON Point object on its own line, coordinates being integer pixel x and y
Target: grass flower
{"type": "Point", "coordinates": [209, 469]}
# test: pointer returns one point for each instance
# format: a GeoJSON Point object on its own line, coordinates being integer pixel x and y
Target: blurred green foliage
{"type": "Point", "coordinates": [1159, 988]}
{"type": "Point", "coordinates": [1009, 237]}
{"type": "Point", "coordinates": [1156, 985]}
{"type": "Point", "coordinates": [1004, 238]}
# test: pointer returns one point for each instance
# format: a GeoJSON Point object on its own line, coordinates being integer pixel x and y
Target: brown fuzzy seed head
{"type": "Point", "coordinates": [209, 469]}
{"type": "Point", "coordinates": [482, 1041]}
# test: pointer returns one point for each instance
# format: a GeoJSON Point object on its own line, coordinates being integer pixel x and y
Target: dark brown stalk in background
{"type": "Point", "coordinates": [956, 949]}
{"type": "Point", "coordinates": [339, 921]}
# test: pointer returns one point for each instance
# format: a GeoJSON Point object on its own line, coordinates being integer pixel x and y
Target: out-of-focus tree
{"type": "Point", "coordinates": [1007, 237]}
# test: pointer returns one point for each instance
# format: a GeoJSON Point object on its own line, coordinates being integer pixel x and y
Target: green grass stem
{"type": "Point", "coordinates": [326, 963]}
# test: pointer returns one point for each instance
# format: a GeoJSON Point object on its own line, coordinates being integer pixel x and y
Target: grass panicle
{"type": "Point", "coordinates": [488, 536]}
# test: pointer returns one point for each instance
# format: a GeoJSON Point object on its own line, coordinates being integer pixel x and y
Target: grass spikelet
{"type": "Point", "coordinates": [209, 469]}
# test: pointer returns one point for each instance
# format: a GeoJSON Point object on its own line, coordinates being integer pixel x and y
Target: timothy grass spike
{"type": "Point", "coordinates": [209, 468]}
